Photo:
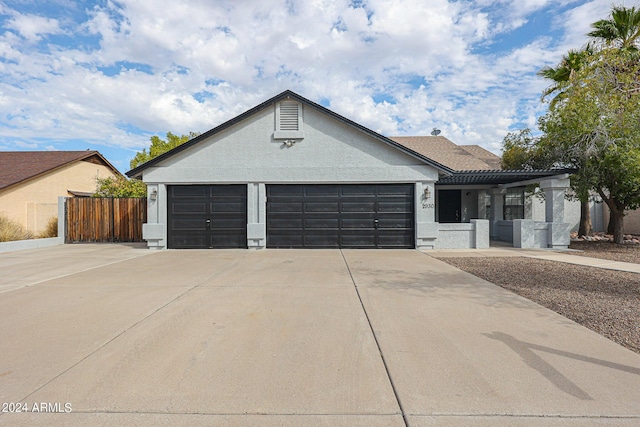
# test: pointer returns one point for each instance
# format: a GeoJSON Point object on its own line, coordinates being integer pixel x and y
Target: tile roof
{"type": "Point", "coordinates": [443, 151]}
{"type": "Point", "coordinates": [19, 166]}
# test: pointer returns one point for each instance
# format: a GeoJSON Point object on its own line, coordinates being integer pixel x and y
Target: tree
{"type": "Point", "coordinates": [120, 187]}
{"type": "Point", "coordinates": [564, 73]}
{"type": "Point", "coordinates": [621, 31]}
{"type": "Point", "coordinates": [562, 77]}
{"type": "Point", "coordinates": [596, 129]}
{"type": "Point", "coordinates": [159, 146]}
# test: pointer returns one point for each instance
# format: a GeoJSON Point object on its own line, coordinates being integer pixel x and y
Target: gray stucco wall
{"type": "Point", "coordinates": [331, 152]}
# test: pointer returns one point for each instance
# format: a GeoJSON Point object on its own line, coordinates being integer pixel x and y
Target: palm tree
{"type": "Point", "coordinates": [571, 63]}
{"type": "Point", "coordinates": [622, 30]}
{"type": "Point", "coordinates": [561, 76]}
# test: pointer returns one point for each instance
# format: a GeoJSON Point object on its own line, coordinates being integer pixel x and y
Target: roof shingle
{"type": "Point", "coordinates": [19, 166]}
{"type": "Point", "coordinates": [443, 151]}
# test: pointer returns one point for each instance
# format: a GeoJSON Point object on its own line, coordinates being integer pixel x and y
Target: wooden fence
{"type": "Point", "coordinates": [91, 219]}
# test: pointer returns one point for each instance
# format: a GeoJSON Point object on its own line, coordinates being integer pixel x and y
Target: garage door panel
{"type": "Point", "coordinates": [189, 224]}
{"type": "Point", "coordinates": [322, 240]}
{"type": "Point", "coordinates": [286, 190]}
{"type": "Point", "coordinates": [392, 189]}
{"type": "Point", "coordinates": [188, 242]}
{"type": "Point", "coordinates": [368, 223]}
{"type": "Point", "coordinates": [221, 224]}
{"type": "Point", "coordinates": [188, 191]}
{"type": "Point", "coordinates": [295, 207]}
{"type": "Point", "coordinates": [398, 222]}
{"type": "Point", "coordinates": [359, 206]}
{"type": "Point", "coordinates": [325, 223]}
{"type": "Point", "coordinates": [340, 215]}
{"type": "Point", "coordinates": [322, 207]}
{"type": "Point", "coordinates": [286, 240]}
{"type": "Point", "coordinates": [285, 223]}
{"type": "Point", "coordinates": [359, 241]}
{"type": "Point", "coordinates": [227, 241]}
{"type": "Point", "coordinates": [236, 207]}
{"type": "Point", "coordinates": [359, 190]}
{"type": "Point", "coordinates": [395, 206]}
{"type": "Point", "coordinates": [395, 240]}
{"type": "Point", "coordinates": [321, 190]}
{"type": "Point", "coordinates": [195, 208]}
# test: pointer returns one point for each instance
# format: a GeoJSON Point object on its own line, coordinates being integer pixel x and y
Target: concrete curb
{"type": "Point", "coordinates": [20, 245]}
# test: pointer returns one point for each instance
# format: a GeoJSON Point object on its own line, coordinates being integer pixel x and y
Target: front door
{"type": "Point", "coordinates": [449, 206]}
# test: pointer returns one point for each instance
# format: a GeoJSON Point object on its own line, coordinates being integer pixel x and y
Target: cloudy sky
{"type": "Point", "coordinates": [107, 75]}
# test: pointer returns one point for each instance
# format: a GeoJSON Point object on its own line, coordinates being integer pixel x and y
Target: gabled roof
{"type": "Point", "coordinates": [456, 157]}
{"type": "Point", "coordinates": [495, 177]}
{"type": "Point", "coordinates": [20, 166]}
{"type": "Point", "coordinates": [287, 94]}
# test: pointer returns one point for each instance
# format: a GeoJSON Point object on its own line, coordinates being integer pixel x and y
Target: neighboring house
{"type": "Point", "coordinates": [290, 173]}
{"type": "Point", "coordinates": [32, 181]}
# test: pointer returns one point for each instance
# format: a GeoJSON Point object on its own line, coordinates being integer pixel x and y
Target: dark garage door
{"type": "Point", "coordinates": [340, 216]}
{"type": "Point", "coordinates": [207, 216]}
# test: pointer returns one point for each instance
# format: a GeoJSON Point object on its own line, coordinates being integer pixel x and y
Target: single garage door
{"type": "Point", "coordinates": [207, 216]}
{"type": "Point", "coordinates": [340, 216]}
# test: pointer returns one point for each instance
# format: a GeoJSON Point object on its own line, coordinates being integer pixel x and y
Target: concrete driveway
{"type": "Point", "coordinates": [119, 335]}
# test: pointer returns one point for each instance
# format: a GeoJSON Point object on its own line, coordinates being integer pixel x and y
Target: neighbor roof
{"type": "Point", "coordinates": [493, 161]}
{"type": "Point", "coordinates": [19, 166]}
{"type": "Point", "coordinates": [456, 157]}
{"type": "Point", "coordinates": [136, 172]}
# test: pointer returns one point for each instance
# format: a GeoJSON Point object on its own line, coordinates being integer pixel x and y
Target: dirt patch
{"type": "Point", "coordinates": [605, 301]}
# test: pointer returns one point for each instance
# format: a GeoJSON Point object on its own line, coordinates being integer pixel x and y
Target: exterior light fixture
{"type": "Point", "coordinates": [289, 142]}
{"type": "Point", "coordinates": [154, 195]}
{"type": "Point", "coordinates": [427, 193]}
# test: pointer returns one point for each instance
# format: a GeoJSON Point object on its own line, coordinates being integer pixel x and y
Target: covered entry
{"type": "Point", "coordinates": [207, 216]}
{"type": "Point", "coordinates": [340, 216]}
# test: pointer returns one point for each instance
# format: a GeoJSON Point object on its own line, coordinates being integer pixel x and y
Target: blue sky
{"type": "Point", "coordinates": [107, 75]}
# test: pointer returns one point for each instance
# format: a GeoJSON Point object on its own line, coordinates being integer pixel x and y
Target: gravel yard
{"type": "Point", "coordinates": [607, 250]}
{"type": "Point", "coordinates": [605, 301]}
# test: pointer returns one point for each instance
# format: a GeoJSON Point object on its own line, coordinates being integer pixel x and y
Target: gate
{"type": "Point", "coordinates": [93, 219]}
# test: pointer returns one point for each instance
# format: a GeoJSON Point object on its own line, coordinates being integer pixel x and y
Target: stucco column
{"type": "Point", "coordinates": [426, 227]}
{"type": "Point", "coordinates": [554, 191]}
{"type": "Point", "coordinates": [154, 230]}
{"type": "Point", "coordinates": [256, 215]}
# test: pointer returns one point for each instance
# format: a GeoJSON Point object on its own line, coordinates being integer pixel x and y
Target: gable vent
{"type": "Point", "coordinates": [288, 116]}
{"type": "Point", "coordinates": [288, 120]}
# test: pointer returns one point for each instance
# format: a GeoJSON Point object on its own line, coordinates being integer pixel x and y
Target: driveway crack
{"type": "Point", "coordinates": [375, 338]}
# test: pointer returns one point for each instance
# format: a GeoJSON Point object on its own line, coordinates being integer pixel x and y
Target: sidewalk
{"type": "Point", "coordinates": [546, 254]}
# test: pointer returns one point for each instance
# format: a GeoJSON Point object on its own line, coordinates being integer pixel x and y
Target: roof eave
{"type": "Point", "coordinates": [137, 171]}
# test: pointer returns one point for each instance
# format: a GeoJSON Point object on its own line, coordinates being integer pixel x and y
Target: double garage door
{"type": "Point", "coordinates": [298, 216]}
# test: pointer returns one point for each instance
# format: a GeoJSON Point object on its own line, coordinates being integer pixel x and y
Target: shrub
{"type": "Point", "coordinates": [11, 230]}
{"type": "Point", "coordinates": [51, 230]}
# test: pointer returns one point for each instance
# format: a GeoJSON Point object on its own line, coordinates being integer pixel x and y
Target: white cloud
{"type": "Point", "coordinates": [205, 62]}
{"type": "Point", "coordinates": [33, 27]}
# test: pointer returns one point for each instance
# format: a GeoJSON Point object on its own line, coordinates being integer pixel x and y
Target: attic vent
{"type": "Point", "coordinates": [288, 120]}
{"type": "Point", "coordinates": [288, 116]}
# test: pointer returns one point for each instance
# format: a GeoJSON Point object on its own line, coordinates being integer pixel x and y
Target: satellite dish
{"type": "Point", "coordinates": [435, 132]}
